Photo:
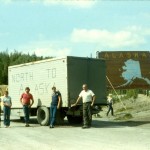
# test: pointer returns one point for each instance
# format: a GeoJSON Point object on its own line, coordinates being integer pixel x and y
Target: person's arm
{"type": "Point", "coordinates": [21, 99]}
{"type": "Point", "coordinates": [59, 102]}
{"type": "Point", "coordinates": [10, 103]}
{"type": "Point", "coordinates": [32, 101]}
{"type": "Point", "coordinates": [6, 104]}
{"type": "Point", "coordinates": [78, 99]}
{"type": "Point", "coordinates": [93, 100]}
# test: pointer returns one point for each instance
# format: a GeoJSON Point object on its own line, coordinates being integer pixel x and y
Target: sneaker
{"type": "Point", "coordinates": [85, 127]}
{"type": "Point", "coordinates": [51, 126]}
{"type": "Point", "coordinates": [27, 125]}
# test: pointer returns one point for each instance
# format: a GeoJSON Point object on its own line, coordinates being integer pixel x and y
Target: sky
{"type": "Point", "coordinates": [74, 27]}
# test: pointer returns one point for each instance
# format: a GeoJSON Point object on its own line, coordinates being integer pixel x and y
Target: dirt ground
{"type": "Point", "coordinates": [106, 133]}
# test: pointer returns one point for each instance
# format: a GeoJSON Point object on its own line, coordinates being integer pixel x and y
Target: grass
{"type": "Point", "coordinates": [123, 109]}
{"type": "Point", "coordinates": [124, 117]}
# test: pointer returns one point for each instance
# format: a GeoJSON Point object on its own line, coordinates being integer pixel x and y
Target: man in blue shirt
{"type": "Point", "coordinates": [55, 104]}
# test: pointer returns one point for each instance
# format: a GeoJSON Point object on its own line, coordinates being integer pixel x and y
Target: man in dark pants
{"type": "Point", "coordinates": [27, 101]}
{"type": "Point", "coordinates": [55, 104]}
{"type": "Point", "coordinates": [88, 98]}
{"type": "Point", "coordinates": [110, 104]}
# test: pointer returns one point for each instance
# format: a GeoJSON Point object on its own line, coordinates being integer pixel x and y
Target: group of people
{"type": "Point", "coordinates": [27, 100]}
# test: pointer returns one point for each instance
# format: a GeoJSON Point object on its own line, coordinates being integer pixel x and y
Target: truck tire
{"type": "Point", "coordinates": [75, 119]}
{"type": "Point", "coordinates": [43, 116]}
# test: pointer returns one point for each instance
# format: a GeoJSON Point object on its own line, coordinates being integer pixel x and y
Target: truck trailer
{"type": "Point", "coordinates": [67, 74]}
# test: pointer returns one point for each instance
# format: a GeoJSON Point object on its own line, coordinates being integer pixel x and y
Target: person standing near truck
{"type": "Point", "coordinates": [27, 101]}
{"type": "Point", "coordinates": [55, 104]}
{"type": "Point", "coordinates": [88, 98]}
{"type": "Point", "coordinates": [110, 104]}
{"type": "Point", "coordinates": [7, 108]}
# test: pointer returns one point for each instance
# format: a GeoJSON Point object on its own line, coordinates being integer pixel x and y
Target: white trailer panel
{"type": "Point", "coordinates": [40, 77]}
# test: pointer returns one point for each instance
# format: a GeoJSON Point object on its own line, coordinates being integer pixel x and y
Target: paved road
{"type": "Point", "coordinates": [105, 134]}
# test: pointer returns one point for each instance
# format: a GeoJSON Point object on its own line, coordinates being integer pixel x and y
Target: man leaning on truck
{"type": "Point", "coordinates": [27, 101]}
{"type": "Point", "coordinates": [55, 104]}
{"type": "Point", "coordinates": [88, 98]}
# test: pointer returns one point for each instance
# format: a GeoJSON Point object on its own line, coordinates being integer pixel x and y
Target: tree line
{"type": "Point", "coordinates": [14, 58]}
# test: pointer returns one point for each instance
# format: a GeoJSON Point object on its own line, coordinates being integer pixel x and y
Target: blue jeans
{"type": "Point", "coordinates": [110, 108]}
{"type": "Point", "coordinates": [26, 110]}
{"type": "Point", "coordinates": [53, 110]}
{"type": "Point", "coordinates": [6, 116]}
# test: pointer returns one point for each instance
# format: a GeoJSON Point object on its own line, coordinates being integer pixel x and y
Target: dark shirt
{"type": "Point", "coordinates": [55, 98]}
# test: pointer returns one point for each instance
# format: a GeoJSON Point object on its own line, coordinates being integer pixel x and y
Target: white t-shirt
{"type": "Point", "coordinates": [86, 95]}
{"type": "Point", "coordinates": [7, 100]}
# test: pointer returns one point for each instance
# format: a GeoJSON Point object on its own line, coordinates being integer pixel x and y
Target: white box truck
{"type": "Point", "coordinates": [68, 74]}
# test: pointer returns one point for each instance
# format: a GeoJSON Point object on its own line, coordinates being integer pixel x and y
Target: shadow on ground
{"type": "Point", "coordinates": [117, 124]}
{"type": "Point", "coordinates": [95, 123]}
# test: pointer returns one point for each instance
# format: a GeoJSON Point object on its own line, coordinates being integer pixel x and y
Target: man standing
{"type": "Point", "coordinates": [27, 101]}
{"type": "Point", "coordinates": [55, 104]}
{"type": "Point", "coordinates": [88, 98]}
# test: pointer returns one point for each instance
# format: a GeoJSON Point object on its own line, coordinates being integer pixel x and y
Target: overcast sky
{"type": "Point", "coordinates": [74, 27]}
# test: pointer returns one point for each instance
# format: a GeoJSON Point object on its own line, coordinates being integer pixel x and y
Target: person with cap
{"type": "Point", "coordinates": [7, 108]}
{"type": "Point", "coordinates": [27, 101]}
{"type": "Point", "coordinates": [55, 104]}
{"type": "Point", "coordinates": [110, 104]}
{"type": "Point", "coordinates": [88, 98]}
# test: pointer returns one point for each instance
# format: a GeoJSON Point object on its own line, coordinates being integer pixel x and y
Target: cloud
{"type": "Point", "coordinates": [6, 1]}
{"type": "Point", "coordinates": [51, 52]}
{"type": "Point", "coordinates": [45, 48]}
{"type": "Point", "coordinates": [68, 3]}
{"type": "Point", "coordinates": [130, 36]}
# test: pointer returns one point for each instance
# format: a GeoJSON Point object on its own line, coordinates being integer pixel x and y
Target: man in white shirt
{"type": "Point", "coordinates": [88, 98]}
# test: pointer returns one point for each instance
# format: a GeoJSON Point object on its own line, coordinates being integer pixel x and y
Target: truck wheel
{"type": "Point", "coordinates": [75, 119]}
{"type": "Point", "coordinates": [43, 116]}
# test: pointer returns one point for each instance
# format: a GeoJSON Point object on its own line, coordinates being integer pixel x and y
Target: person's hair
{"type": "Point", "coordinates": [53, 87]}
{"type": "Point", "coordinates": [110, 95]}
{"type": "Point", "coordinates": [27, 88]}
{"type": "Point", "coordinates": [84, 85]}
{"type": "Point", "coordinates": [6, 92]}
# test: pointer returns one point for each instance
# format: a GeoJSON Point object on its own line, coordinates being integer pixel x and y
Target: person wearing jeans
{"type": "Point", "coordinates": [27, 101]}
{"type": "Point", "coordinates": [110, 104]}
{"type": "Point", "coordinates": [7, 108]}
{"type": "Point", "coordinates": [55, 104]}
{"type": "Point", "coordinates": [26, 110]}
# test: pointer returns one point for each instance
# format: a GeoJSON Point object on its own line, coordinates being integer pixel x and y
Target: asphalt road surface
{"type": "Point", "coordinates": [105, 134]}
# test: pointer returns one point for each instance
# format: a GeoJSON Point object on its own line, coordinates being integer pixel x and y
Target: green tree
{"type": "Point", "coordinates": [14, 58]}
